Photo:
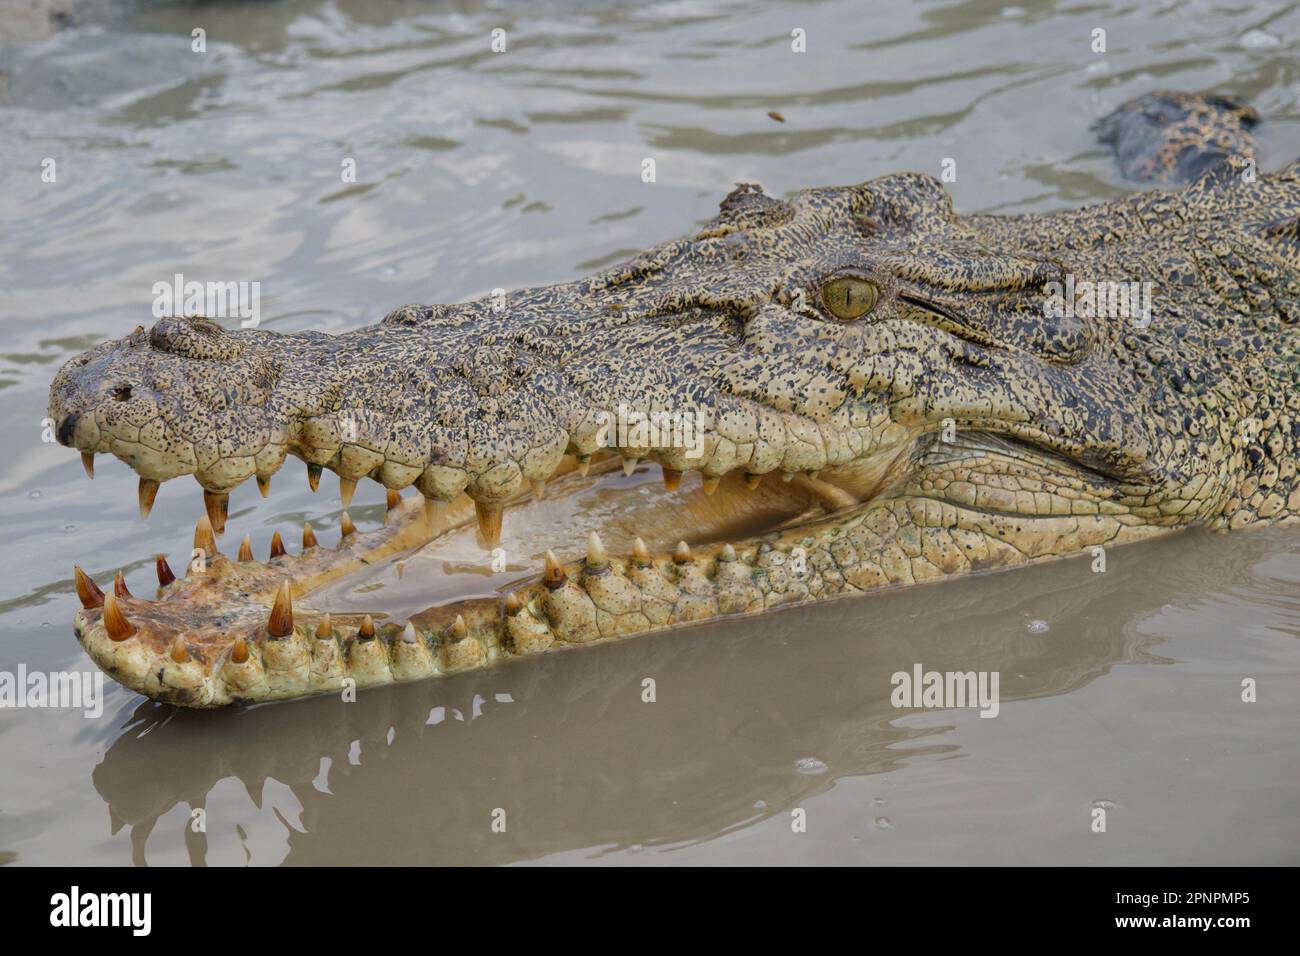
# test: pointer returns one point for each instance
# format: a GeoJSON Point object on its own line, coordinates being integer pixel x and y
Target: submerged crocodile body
{"type": "Point", "coordinates": [893, 393]}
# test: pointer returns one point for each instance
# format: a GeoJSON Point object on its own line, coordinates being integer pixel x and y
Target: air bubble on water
{"type": "Point", "coordinates": [879, 801]}
{"type": "Point", "coordinates": [810, 765]}
{"type": "Point", "coordinates": [760, 804]}
{"type": "Point", "coordinates": [33, 494]}
{"type": "Point", "coordinates": [388, 271]}
{"type": "Point", "coordinates": [883, 823]}
{"type": "Point", "coordinates": [634, 848]}
{"type": "Point", "coordinates": [1097, 68]}
{"type": "Point", "coordinates": [1038, 626]}
{"type": "Point", "coordinates": [1259, 40]}
{"type": "Point", "coordinates": [69, 528]}
{"type": "Point", "coordinates": [1105, 804]}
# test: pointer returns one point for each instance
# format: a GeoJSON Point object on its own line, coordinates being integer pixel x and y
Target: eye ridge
{"type": "Point", "coordinates": [848, 297]}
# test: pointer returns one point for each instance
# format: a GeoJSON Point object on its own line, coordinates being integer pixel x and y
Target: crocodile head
{"type": "Point", "coordinates": [926, 394]}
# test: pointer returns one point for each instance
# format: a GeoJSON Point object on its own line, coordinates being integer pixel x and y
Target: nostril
{"type": "Point", "coordinates": [122, 393]}
{"type": "Point", "coordinates": [66, 428]}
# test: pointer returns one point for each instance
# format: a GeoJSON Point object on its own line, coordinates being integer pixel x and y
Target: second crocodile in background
{"type": "Point", "coordinates": [884, 392]}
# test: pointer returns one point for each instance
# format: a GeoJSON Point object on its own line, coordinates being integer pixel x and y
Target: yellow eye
{"type": "Point", "coordinates": [848, 297]}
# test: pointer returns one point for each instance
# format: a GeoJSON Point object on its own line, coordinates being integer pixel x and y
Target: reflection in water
{"type": "Point", "coordinates": [567, 748]}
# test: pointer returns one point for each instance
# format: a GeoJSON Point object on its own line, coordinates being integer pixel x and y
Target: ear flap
{"type": "Point", "coordinates": [195, 338]}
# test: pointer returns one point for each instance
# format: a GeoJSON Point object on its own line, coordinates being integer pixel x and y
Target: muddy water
{"type": "Point", "coordinates": [1120, 691]}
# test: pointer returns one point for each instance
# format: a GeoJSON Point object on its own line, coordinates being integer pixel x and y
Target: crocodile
{"type": "Point", "coordinates": [844, 390]}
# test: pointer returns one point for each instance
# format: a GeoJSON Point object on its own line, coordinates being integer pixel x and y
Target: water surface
{"type": "Point", "coordinates": [1120, 690]}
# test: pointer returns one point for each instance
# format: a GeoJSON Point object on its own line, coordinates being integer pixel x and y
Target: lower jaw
{"type": "Point", "coordinates": [427, 575]}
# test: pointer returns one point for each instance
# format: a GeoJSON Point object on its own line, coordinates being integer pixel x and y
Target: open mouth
{"type": "Point", "coordinates": [218, 629]}
{"type": "Point", "coordinates": [608, 547]}
{"type": "Point", "coordinates": [620, 507]}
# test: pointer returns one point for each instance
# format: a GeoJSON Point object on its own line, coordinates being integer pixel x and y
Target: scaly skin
{"type": "Point", "coordinates": [952, 427]}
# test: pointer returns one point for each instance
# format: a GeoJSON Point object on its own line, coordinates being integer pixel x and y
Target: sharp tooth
{"type": "Point", "coordinates": [165, 575]}
{"type": "Point", "coordinates": [409, 635]}
{"type": "Point", "coordinates": [148, 492]}
{"type": "Point", "coordinates": [394, 498]}
{"type": "Point", "coordinates": [280, 623]}
{"type": "Point", "coordinates": [640, 553]}
{"type": "Point", "coordinates": [239, 653]}
{"type": "Point", "coordinates": [433, 509]}
{"type": "Point", "coordinates": [119, 586]}
{"type": "Point", "coordinates": [115, 622]}
{"type": "Point", "coordinates": [458, 631]}
{"type": "Point", "coordinates": [489, 521]}
{"type": "Point", "coordinates": [88, 463]}
{"type": "Point", "coordinates": [629, 465]}
{"type": "Point", "coordinates": [539, 487]}
{"type": "Point", "coordinates": [180, 653]}
{"type": "Point", "coordinates": [366, 632]}
{"type": "Point", "coordinates": [683, 553]}
{"type": "Point", "coordinates": [753, 481]}
{"type": "Point", "coordinates": [554, 576]}
{"type": "Point", "coordinates": [728, 553]}
{"type": "Point", "coordinates": [217, 504]}
{"type": "Point", "coordinates": [277, 546]}
{"type": "Point", "coordinates": [672, 479]}
{"type": "Point", "coordinates": [787, 476]}
{"type": "Point", "coordinates": [347, 487]}
{"type": "Point", "coordinates": [246, 548]}
{"type": "Point", "coordinates": [89, 592]}
{"type": "Point", "coordinates": [204, 538]}
{"type": "Point", "coordinates": [313, 475]}
{"type": "Point", "coordinates": [584, 465]}
{"type": "Point", "coordinates": [596, 557]}
{"type": "Point", "coordinates": [346, 527]}
{"type": "Point", "coordinates": [324, 630]}
{"type": "Point", "coordinates": [308, 536]}
{"type": "Point", "coordinates": [264, 485]}
{"type": "Point", "coordinates": [710, 485]}
{"type": "Point", "coordinates": [513, 604]}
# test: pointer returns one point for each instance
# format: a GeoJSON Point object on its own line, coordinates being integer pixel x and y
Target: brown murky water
{"type": "Point", "coordinates": [1119, 691]}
